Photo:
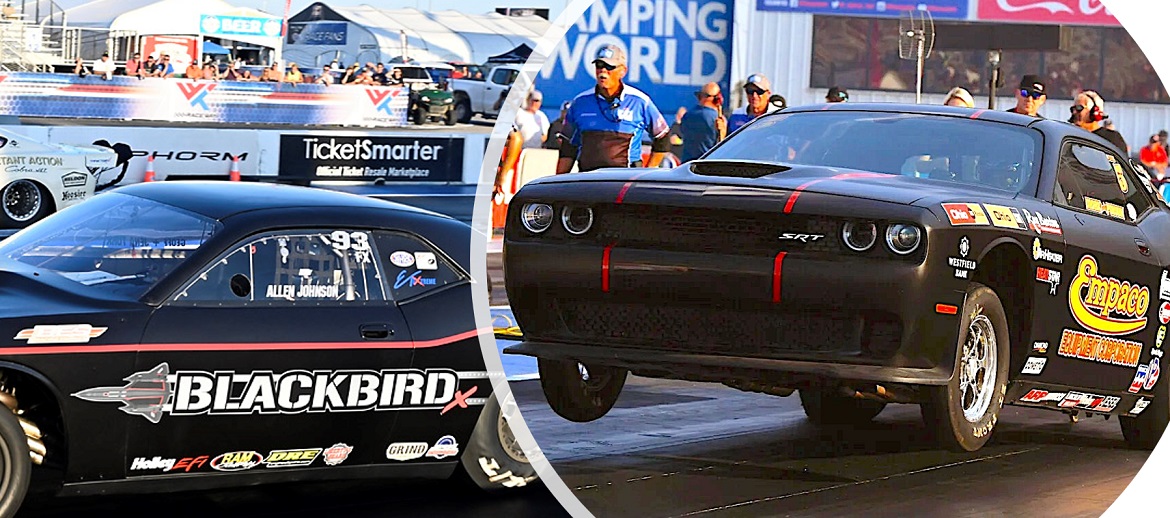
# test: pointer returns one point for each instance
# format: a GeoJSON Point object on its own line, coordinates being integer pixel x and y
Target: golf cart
{"type": "Point", "coordinates": [428, 99]}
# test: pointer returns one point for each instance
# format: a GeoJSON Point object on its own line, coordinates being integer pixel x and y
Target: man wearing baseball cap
{"type": "Point", "coordinates": [758, 91]}
{"type": "Point", "coordinates": [607, 123]}
{"type": "Point", "coordinates": [1030, 96]}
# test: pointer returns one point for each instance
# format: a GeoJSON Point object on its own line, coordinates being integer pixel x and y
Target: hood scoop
{"type": "Point", "coordinates": [736, 169]}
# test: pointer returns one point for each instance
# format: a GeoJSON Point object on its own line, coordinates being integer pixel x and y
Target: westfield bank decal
{"type": "Point", "coordinates": [1082, 12]}
{"type": "Point", "coordinates": [368, 158]}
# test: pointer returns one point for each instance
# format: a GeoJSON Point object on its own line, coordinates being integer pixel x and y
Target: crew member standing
{"type": "Point", "coordinates": [1088, 112]}
{"type": "Point", "coordinates": [1030, 96]}
{"type": "Point", "coordinates": [758, 91]}
{"type": "Point", "coordinates": [607, 123]}
{"type": "Point", "coordinates": [703, 126]}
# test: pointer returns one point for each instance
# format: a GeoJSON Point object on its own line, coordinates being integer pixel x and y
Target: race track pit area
{"type": "Point", "coordinates": [368, 498]}
{"type": "Point", "coordinates": [673, 448]}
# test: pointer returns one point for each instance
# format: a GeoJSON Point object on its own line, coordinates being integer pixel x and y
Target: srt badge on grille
{"type": "Point", "coordinates": [803, 238]}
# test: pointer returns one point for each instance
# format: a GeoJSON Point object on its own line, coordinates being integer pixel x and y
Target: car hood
{"type": "Point", "coordinates": [22, 296]}
{"type": "Point", "coordinates": [854, 183]}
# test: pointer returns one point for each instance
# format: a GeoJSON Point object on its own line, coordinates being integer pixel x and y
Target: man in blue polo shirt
{"type": "Point", "coordinates": [607, 123]}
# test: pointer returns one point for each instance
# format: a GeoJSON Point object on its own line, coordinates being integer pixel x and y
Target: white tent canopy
{"type": "Point", "coordinates": [441, 36]}
{"type": "Point", "coordinates": [165, 17]}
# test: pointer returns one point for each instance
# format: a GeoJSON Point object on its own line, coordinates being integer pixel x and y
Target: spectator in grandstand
{"type": "Point", "coordinates": [134, 65]}
{"type": "Point", "coordinates": [960, 97]}
{"type": "Point", "coordinates": [194, 71]}
{"type": "Point", "coordinates": [395, 78]}
{"type": "Point", "coordinates": [104, 67]}
{"type": "Point", "coordinates": [326, 76]}
{"type": "Point", "coordinates": [211, 72]}
{"type": "Point", "coordinates": [79, 68]}
{"type": "Point", "coordinates": [1088, 112]}
{"type": "Point", "coordinates": [163, 68]}
{"type": "Point", "coordinates": [1030, 96]}
{"type": "Point", "coordinates": [533, 123]}
{"type": "Point", "coordinates": [294, 74]}
{"type": "Point", "coordinates": [1154, 157]}
{"type": "Point", "coordinates": [351, 74]}
{"type": "Point", "coordinates": [758, 91]}
{"type": "Point", "coordinates": [379, 74]}
{"type": "Point", "coordinates": [246, 75]}
{"type": "Point", "coordinates": [271, 74]}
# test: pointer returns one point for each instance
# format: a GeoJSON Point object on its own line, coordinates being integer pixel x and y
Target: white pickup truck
{"type": "Point", "coordinates": [481, 94]}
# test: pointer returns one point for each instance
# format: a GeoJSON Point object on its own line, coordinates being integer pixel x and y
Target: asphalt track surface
{"type": "Point", "coordinates": [673, 448]}
{"type": "Point", "coordinates": [676, 448]}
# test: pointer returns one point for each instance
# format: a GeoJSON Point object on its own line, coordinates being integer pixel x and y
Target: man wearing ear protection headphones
{"type": "Point", "coordinates": [1030, 96]}
{"type": "Point", "coordinates": [607, 123]}
{"type": "Point", "coordinates": [1088, 112]}
{"type": "Point", "coordinates": [703, 126]}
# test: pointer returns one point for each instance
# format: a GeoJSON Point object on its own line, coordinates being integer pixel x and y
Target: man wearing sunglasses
{"type": "Point", "coordinates": [1030, 96]}
{"type": "Point", "coordinates": [758, 90]}
{"type": "Point", "coordinates": [1088, 112]}
{"type": "Point", "coordinates": [607, 123]}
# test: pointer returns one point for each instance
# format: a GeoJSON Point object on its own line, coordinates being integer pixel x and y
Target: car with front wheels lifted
{"type": "Point", "coordinates": [170, 337]}
{"type": "Point", "coordinates": [957, 259]}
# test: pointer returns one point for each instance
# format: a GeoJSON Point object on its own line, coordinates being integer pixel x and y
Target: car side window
{"type": "Point", "coordinates": [292, 268]}
{"type": "Point", "coordinates": [414, 267]}
{"type": "Point", "coordinates": [504, 76]}
{"type": "Point", "coordinates": [1093, 180]}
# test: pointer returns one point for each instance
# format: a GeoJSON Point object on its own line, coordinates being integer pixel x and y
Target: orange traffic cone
{"type": "Point", "coordinates": [149, 169]}
{"type": "Point", "coordinates": [235, 173]}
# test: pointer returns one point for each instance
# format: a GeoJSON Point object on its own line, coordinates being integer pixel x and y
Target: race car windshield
{"type": "Point", "coordinates": [119, 244]}
{"type": "Point", "coordinates": [951, 149]}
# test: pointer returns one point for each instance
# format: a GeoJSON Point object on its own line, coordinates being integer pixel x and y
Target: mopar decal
{"type": "Point", "coordinates": [1104, 349]}
{"type": "Point", "coordinates": [156, 392]}
{"type": "Point", "coordinates": [1100, 303]}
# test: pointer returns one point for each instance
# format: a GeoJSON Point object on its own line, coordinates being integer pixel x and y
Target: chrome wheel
{"type": "Point", "coordinates": [507, 439]}
{"type": "Point", "coordinates": [977, 369]}
{"type": "Point", "coordinates": [22, 200]}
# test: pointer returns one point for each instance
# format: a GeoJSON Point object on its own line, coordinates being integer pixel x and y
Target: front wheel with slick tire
{"type": "Point", "coordinates": [580, 392]}
{"type": "Point", "coordinates": [963, 413]}
{"type": "Point", "coordinates": [493, 458]}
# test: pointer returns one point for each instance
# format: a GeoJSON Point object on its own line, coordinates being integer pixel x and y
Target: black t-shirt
{"type": "Point", "coordinates": [1013, 110]}
{"type": "Point", "coordinates": [1115, 138]}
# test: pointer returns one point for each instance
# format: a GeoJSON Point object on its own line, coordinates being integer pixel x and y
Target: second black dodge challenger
{"type": "Point", "coordinates": [861, 255]}
{"type": "Point", "coordinates": [189, 335]}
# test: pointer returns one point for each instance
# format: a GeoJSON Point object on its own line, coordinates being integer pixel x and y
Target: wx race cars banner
{"type": "Point", "coordinates": [1071, 12]}
{"type": "Point", "coordinates": [67, 96]}
{"type": "Point", "coordinates": [673, 47]}
{"type": "Point", "coordinates": [944, 9]}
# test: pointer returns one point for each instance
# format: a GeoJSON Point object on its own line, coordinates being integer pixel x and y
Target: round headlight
{"type": "Point", "coordinates": [859, 236]}
{"type": "Point", "coordinates": [536, 217]}
{"type": "Point", "coordinates": [577, 220]}
{"type": "Point", "coordinates": [902, 238]}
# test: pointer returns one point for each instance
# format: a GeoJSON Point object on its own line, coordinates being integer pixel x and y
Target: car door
{"type": "Point", "coordinates": [1110, 274]}
{"type": "Point", "coordinates": [434, 294]}
{"type": "Point", "coordinates": [285, 352]}
{"type": "Point", "coordinates": [498, 83]}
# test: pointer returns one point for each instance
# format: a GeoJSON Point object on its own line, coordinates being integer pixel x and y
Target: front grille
{"type": "Point", "coordinates": [756, 333]}
{"type": "Point", "coordinates": [688, 229]}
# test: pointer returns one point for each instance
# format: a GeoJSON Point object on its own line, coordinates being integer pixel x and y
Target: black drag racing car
{"type": "Point", "coordinates": [861, 255]}
{"type": "Point", "coordinates": [173, 336]}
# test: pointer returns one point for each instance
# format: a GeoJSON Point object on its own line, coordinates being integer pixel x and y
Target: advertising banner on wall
{"type": "Point", "coordinates": [181, 49]}
{"type": "Point", "coordinates": [225, 25]}
{"type": "Point", "coordinates": [29, 94]}
{"type": "Point", "coordinates": [1066, 12]}
{"type": "Point", "coordinates": [318, 33]}
{"type": "Point", "coordinates": [673, 47]}
{"type": "Point", "coordinates": [332, 157]}
{"type": "Point", "coordinates": [943, 9]}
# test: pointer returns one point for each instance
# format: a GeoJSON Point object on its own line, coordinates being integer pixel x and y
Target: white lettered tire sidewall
{"type": "Point", "coordinates": [486, 460]}
{"type": "Point", "coordinates": [955, 431]}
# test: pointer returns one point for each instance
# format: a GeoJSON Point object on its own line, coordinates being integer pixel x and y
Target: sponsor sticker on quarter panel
{"type": "Point", "coordinates": [236, 461]}
{"type": "Point", "coordinates": [1106, 305]}
{"type": "Point", "coordinates": [1040, 396]}
{"type": "Point", "coordinates": [1040, 347]}
{"type": "Point", "coordinates": [1002, 217]}
{"type": "Point", "coordinates": [1039, 253]}
{"type": "Point", "coordinates": [426, 261]}
{"type": "Point", "coordinates": [74, 180]}
{"type": "Point", "coordinates": [445, 447]}
{"type": "Point", "coordinates": [1164, 313]}
{"type": "Point", "coordinates": [291, 458]}
{"type": "Point", "coordinates": [1034, 365]}
{"type": "Point", "coordinates": [1155, 372]}
{"type": "Point", "coordinates": [1140, 405]}
{"type": "Point", "coordinates": [1164, 286]}
{"type": "Point", "coordinates": [1139, 379]}
{"type": "Point", "coordinates": [407, 450]}
{"type": "Point", "coordinates": [143, 463]}
{"type": "Point", "coordinates": [1103, 349]}
{"type": "Point", "coordinates": [1112, 210]}
{"type": "Point", "coordinates": [60, 334]}
{"type": "Point", "coordinates": [337, 454]}
{"type": "Point", "coordinates": [1161, 336]}
{"type": "Point", "coordinates": [1050, 276]}
{"type": "Point", "coordinates": [965, 214]}
{"type": "Point", "coordinates": [1042, 224]}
